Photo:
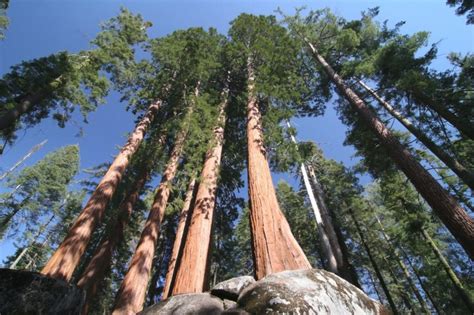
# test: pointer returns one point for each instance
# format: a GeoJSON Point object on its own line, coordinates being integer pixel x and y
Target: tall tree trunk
{"type": "Point", "coordinates": [374, 263]}
{"type": "Point", "coordinates": [193, 270]}
{"type": "Point", "coordinates": [274, 246]}
{"type": "Point", "coordinates": [33, 241]}
{"type": "Point", "coordinates": [23, 159]}
{"type": "Point", "coordinates": [131, 295]}
{"type": "Point", "coordinates": [464, 127]}
{"type": "Point", "coordinates": [401, 288]}
{"type": "Point", "coordinates": [344, 268]}
{"type": "Point", "coordinates": [404, 268]}
{"type": "Point", "coordinates": [420, 281]}
{"type": "Point", "coordinates": [95, 271]}
{"type": "Point", "coordinates": [178, 244]}
{"type": "Point", "coordinates": [22, 106]}
{"type": "Point", "coordinates": [153, 288]}
{"type": "Point", "coordinates": [460, 170]}
{"type": "Point", "coordinates": [463, 293]}
{"type": "Point", "coordinates": [66, 258]}
{"type": "Point", "coordinates": [332, 255]}
{"type": "Point", "coordinates": [26, 102]}
{"type": "Point", "coordinates": [5, 221]}
{"type": "Point", "coordinates": [374, 285]}
{"type": "Point", "coordinates": [459, 223]}
{"type": "Point", "coordinates": [349, 268]}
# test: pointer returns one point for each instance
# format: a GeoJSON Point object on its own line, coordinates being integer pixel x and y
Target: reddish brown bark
{"type": "Point", "coordinates": [274, 246]}
{"type": "Point", "coordinates": [63, 262]}
{"type": "Point", "coordinates": [458, 222]}
{"type": "Point", "coordinates": [192, 274]}
{"type": "Point", "coordinates": [131, 295]}
{"type": "Point", "coordinates": [101, 260]}
{"type": "Point", "coordinates": [176, 252]}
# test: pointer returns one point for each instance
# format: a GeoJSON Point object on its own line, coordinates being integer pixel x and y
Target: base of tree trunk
{"type": "Point", "coordinates": [26, 292]}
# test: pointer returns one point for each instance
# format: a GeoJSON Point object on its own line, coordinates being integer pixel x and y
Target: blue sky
{"type": "Point", "coordinates": [42, 27]}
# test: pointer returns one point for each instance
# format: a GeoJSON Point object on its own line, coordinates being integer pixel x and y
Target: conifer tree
{"type": "Point", "coordinates": [256, 37]}
{"type": "Point", "coordinates": [199, 48]}
{"type": "Point", "coordinates": [59, 83]}
{"type": "Point", "coordinates": [39, 190]}
{"type": "Point", "coordinates": [96, 269]}
{"type": "Point", "coordinates": [131, 295]}
{"type": "Point", "coordinates": [66, 258]}
{"type": "Point", "coordinates": [457, 167]}
{"type": "Point", "coordinates": [194, 266]}
{"type": "Point", "coordinates": [446, 207]}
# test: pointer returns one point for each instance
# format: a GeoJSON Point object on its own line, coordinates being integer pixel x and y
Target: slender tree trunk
{"type": "Point", "coordinates": [9, 119]}
{"type": "Point", "coordinates": [95, 271]}
{"type": "Point", "coordinates": [274, 246]}
{"type": "Point", "coordinates": [401, 288]}
{"type": "Point", "coordinates": [464, 127]}
{"type": "Point", "coordinates": [26, 102]}
{"type": "Point", "coordinates": [24, 158]}
{"type": "Point", "coordinates": [374, 285]}
{"type": "Point", "coordinates": [332, 255]}
{"type": "Point", "coordinates": [180, 237]}
{"type": "Point", "coordinates": [459, 223]}
{"type": "Point", "coordinates": [5, 221]}
{"type": "Point", "coordinates": [66, 258]}
{"type": "Point", "coordinates": [404, 268]}
{"type": "Point", "coordinates": [374, 264]}
{"type": "Point", "coordinates": [420, 281]}
{"type": "Point", "coordinates": [460, 170]}
{"type": "Point", "coordinates": [131, 295]}
{"type": "Point", "coordinates": [463, 293]}
{"type": "Point", "coordinates": [33, 241]}
{"type": "Point", "coordinates": [348, 267]}
{"type": "Point", "coordinates": [344, 268]}
{"type": "Point", "coordinates": [193, 270]}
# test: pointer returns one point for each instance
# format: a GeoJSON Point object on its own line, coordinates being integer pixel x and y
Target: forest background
{"type": "Point", "coordinates": [41, 28]}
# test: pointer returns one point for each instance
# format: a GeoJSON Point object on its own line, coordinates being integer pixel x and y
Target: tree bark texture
{"type": "Point", "coordinates": [131, 295]}
{"type": "Point", "coordinates": [274, 246]}
{"type": "Point", "coordinates": [193, 271]}
{"type": "Point", "coordinates": [458, 222]}
{"type": "Point", "coordinates": [66, 258]}
{"type": "Point", "coordinates": [178, 244]}
{"type": "Point", "coordinates": [460, 170]}
{"type": "Point", "coordinates": [96, 270]}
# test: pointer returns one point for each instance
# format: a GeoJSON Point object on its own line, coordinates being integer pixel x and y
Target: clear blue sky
{"type": "Point", "coordinates": [41, 27]}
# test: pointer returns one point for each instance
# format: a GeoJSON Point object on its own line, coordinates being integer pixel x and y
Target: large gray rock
{"type": "Point", "coordinates": [230, 289]}
{"type": "Point", "coordinates": [187, 304]}
{"type": "Point", "coordinates": [311, 291]}
{"type": "Point", "coordinates": [25, 292]}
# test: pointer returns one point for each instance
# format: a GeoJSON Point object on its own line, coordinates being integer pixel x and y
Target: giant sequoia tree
{"type": "Point", "coordinates": [208, 106]}
{"type": "Point", "coordinates": [267, 52]}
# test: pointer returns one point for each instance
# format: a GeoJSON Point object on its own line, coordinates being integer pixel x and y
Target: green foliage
{"type": "Point", "coordinates": [463, 7]}
{"type": "Point", "coordinates": [3, 18]}
{"type": "Point", "coordinates": [39, 190]}
{"type": "Point", "coordinates": [58, 84]}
